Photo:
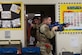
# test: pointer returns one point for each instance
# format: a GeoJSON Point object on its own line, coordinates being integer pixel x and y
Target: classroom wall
{"type": "Point", "coordinates": [63, 40]}
{"type": "Point", "coordinates": [71, 41]}
{"type": "Point", "coordinates": [14, 34]}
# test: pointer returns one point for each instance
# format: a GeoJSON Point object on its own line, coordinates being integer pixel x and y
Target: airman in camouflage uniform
{"type": "Point", "coordinates": [35, 28]}
{"type": "Point", "coordinates": [44, 35]}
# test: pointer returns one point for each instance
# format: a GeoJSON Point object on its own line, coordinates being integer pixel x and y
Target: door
{"type": "Point", "coordinates": [43, 10]}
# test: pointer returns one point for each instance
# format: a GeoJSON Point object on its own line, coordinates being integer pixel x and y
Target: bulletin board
{"type": "Point", "coordinates": [10, 16]}
{"type": "Point", "coordinates": [71, 13]}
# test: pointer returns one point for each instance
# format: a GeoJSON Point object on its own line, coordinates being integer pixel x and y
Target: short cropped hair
{"type": "Point", "coordinates": [45, 17]}
{"type": "Point", "coordinates": [35, 18]}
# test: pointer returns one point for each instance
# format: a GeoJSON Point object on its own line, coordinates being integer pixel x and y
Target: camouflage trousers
{"type": "Point", "coordinates": [45, 53]}
{"type": "Point", "coordinates": [45, 48]}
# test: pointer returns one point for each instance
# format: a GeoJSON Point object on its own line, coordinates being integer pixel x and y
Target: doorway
{"type": "Point", "coordinates": [48, 10]}
{"type": "Point", "coordinates": [43, 9]}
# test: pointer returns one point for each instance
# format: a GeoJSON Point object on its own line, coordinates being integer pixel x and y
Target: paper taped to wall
{"type": "Point", "coordinates": [15, 8]}
{"type": "Point", "coordinates": [74, 41]}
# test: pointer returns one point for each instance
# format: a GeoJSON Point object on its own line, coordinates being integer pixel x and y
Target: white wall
{"type": "Point", "coordinates": [64, 41]}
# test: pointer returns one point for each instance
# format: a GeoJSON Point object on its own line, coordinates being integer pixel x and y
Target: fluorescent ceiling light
{"type": "Point", "coordinates": [37, 14]}
{"type": "Point", "coordinates": [26, 15]}
{"type": "Point", "coordinates": [34, 15]}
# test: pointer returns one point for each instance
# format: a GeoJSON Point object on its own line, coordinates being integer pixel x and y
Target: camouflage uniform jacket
{"type": "Point", "coordinates": [45, 33]}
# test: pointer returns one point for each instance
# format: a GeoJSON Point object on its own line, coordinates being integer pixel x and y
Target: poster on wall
{"type": "Point", "coordinates": [6, 15]}
{"type": "Point", "coordinates": [6, 24]}
{"type": "Point", "coordinates": [1, 9]}
{"type": "Point", "coordinates": [11, 15]}
{"type": "Point", "coordinates": [0, 23]}
{"type": "Point", "coordinates": [74, 19]}
{"type": "Point", "coordinates": [15, 8]}
{"type": "Point", "coordinates": [74, 41]}
{"type": "Point", "coordinates": [16, 22]}
{"type": "Point", "coordinates": [72, 14]}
